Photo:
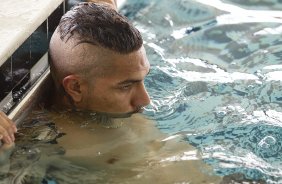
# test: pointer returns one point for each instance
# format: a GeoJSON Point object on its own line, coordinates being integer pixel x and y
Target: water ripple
{"type": "Point", "coordinates": [216, 79]}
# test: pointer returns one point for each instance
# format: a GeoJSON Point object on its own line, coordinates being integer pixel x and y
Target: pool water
{"type": "Point", "coordinates": [216, 94]}
{"type": "Point", "coordinates": [216, 78]}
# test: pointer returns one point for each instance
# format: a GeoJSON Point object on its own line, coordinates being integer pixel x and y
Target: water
{"type": "Point", "coordinates": [215, 82]}
{"type": "Point", "coordinates": [216, 78]}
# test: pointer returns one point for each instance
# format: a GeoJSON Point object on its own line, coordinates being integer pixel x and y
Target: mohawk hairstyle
{"type": "Point", "coordinates": [100, 25]}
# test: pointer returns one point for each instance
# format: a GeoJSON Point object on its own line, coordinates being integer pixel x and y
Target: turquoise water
{"type": "Point", "coordinates": [216, 72]}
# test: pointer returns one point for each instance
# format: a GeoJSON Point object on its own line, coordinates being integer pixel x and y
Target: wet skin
{"type": "Point", "coordinates": [119, 88]}
{"type": "Point", "coordinates": [107, 81]}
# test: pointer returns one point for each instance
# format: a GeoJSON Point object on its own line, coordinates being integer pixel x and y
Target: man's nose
{"type": "Point", "coordinates": [141, 97]}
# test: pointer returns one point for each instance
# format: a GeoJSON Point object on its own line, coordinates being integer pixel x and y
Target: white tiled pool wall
{"type": "Point", "coordinates": [27, 63]}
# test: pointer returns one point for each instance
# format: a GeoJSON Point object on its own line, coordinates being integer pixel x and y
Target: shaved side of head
{"type": "Point", "coordinates": [93, 27]}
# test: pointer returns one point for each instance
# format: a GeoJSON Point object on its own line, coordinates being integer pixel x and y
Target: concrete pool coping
{"type": "Point", "coordinates": [18, 22]}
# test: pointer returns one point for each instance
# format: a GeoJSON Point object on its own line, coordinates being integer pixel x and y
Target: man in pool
{"type": "Point", "coordinates": [98, 62]}
{"type": "Point", "coordinates": [98, 65]}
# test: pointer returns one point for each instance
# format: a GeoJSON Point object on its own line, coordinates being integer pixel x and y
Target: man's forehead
{"type": "Point", "coordinates": [134, 61]}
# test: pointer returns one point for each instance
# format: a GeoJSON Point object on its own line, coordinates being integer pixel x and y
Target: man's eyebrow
{"type": "Point", "coordinates": [129, 81]}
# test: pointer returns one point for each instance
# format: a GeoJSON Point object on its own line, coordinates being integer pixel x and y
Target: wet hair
{"type": "Point", "coordinates": [100, 25]}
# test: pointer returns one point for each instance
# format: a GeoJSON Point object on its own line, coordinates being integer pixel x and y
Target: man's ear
{"type": "Point", "coordinates": [72, 85]}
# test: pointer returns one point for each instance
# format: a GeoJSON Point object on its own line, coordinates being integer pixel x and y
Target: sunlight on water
{"type": "Point", "coordinates": [260, 14]}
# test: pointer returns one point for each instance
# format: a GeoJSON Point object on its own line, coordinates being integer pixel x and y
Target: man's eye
{"type": "Point", "coordinates": [125, 87]}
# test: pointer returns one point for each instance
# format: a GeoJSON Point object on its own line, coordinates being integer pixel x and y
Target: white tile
{"type": "Point", "coordinates": [19, 19]}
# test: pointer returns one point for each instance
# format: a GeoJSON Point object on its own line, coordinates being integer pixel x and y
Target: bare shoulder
{"type": "Point", "coordinates": [141, 118]}
{"type": "Point", "coordinates": [142, 125]}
